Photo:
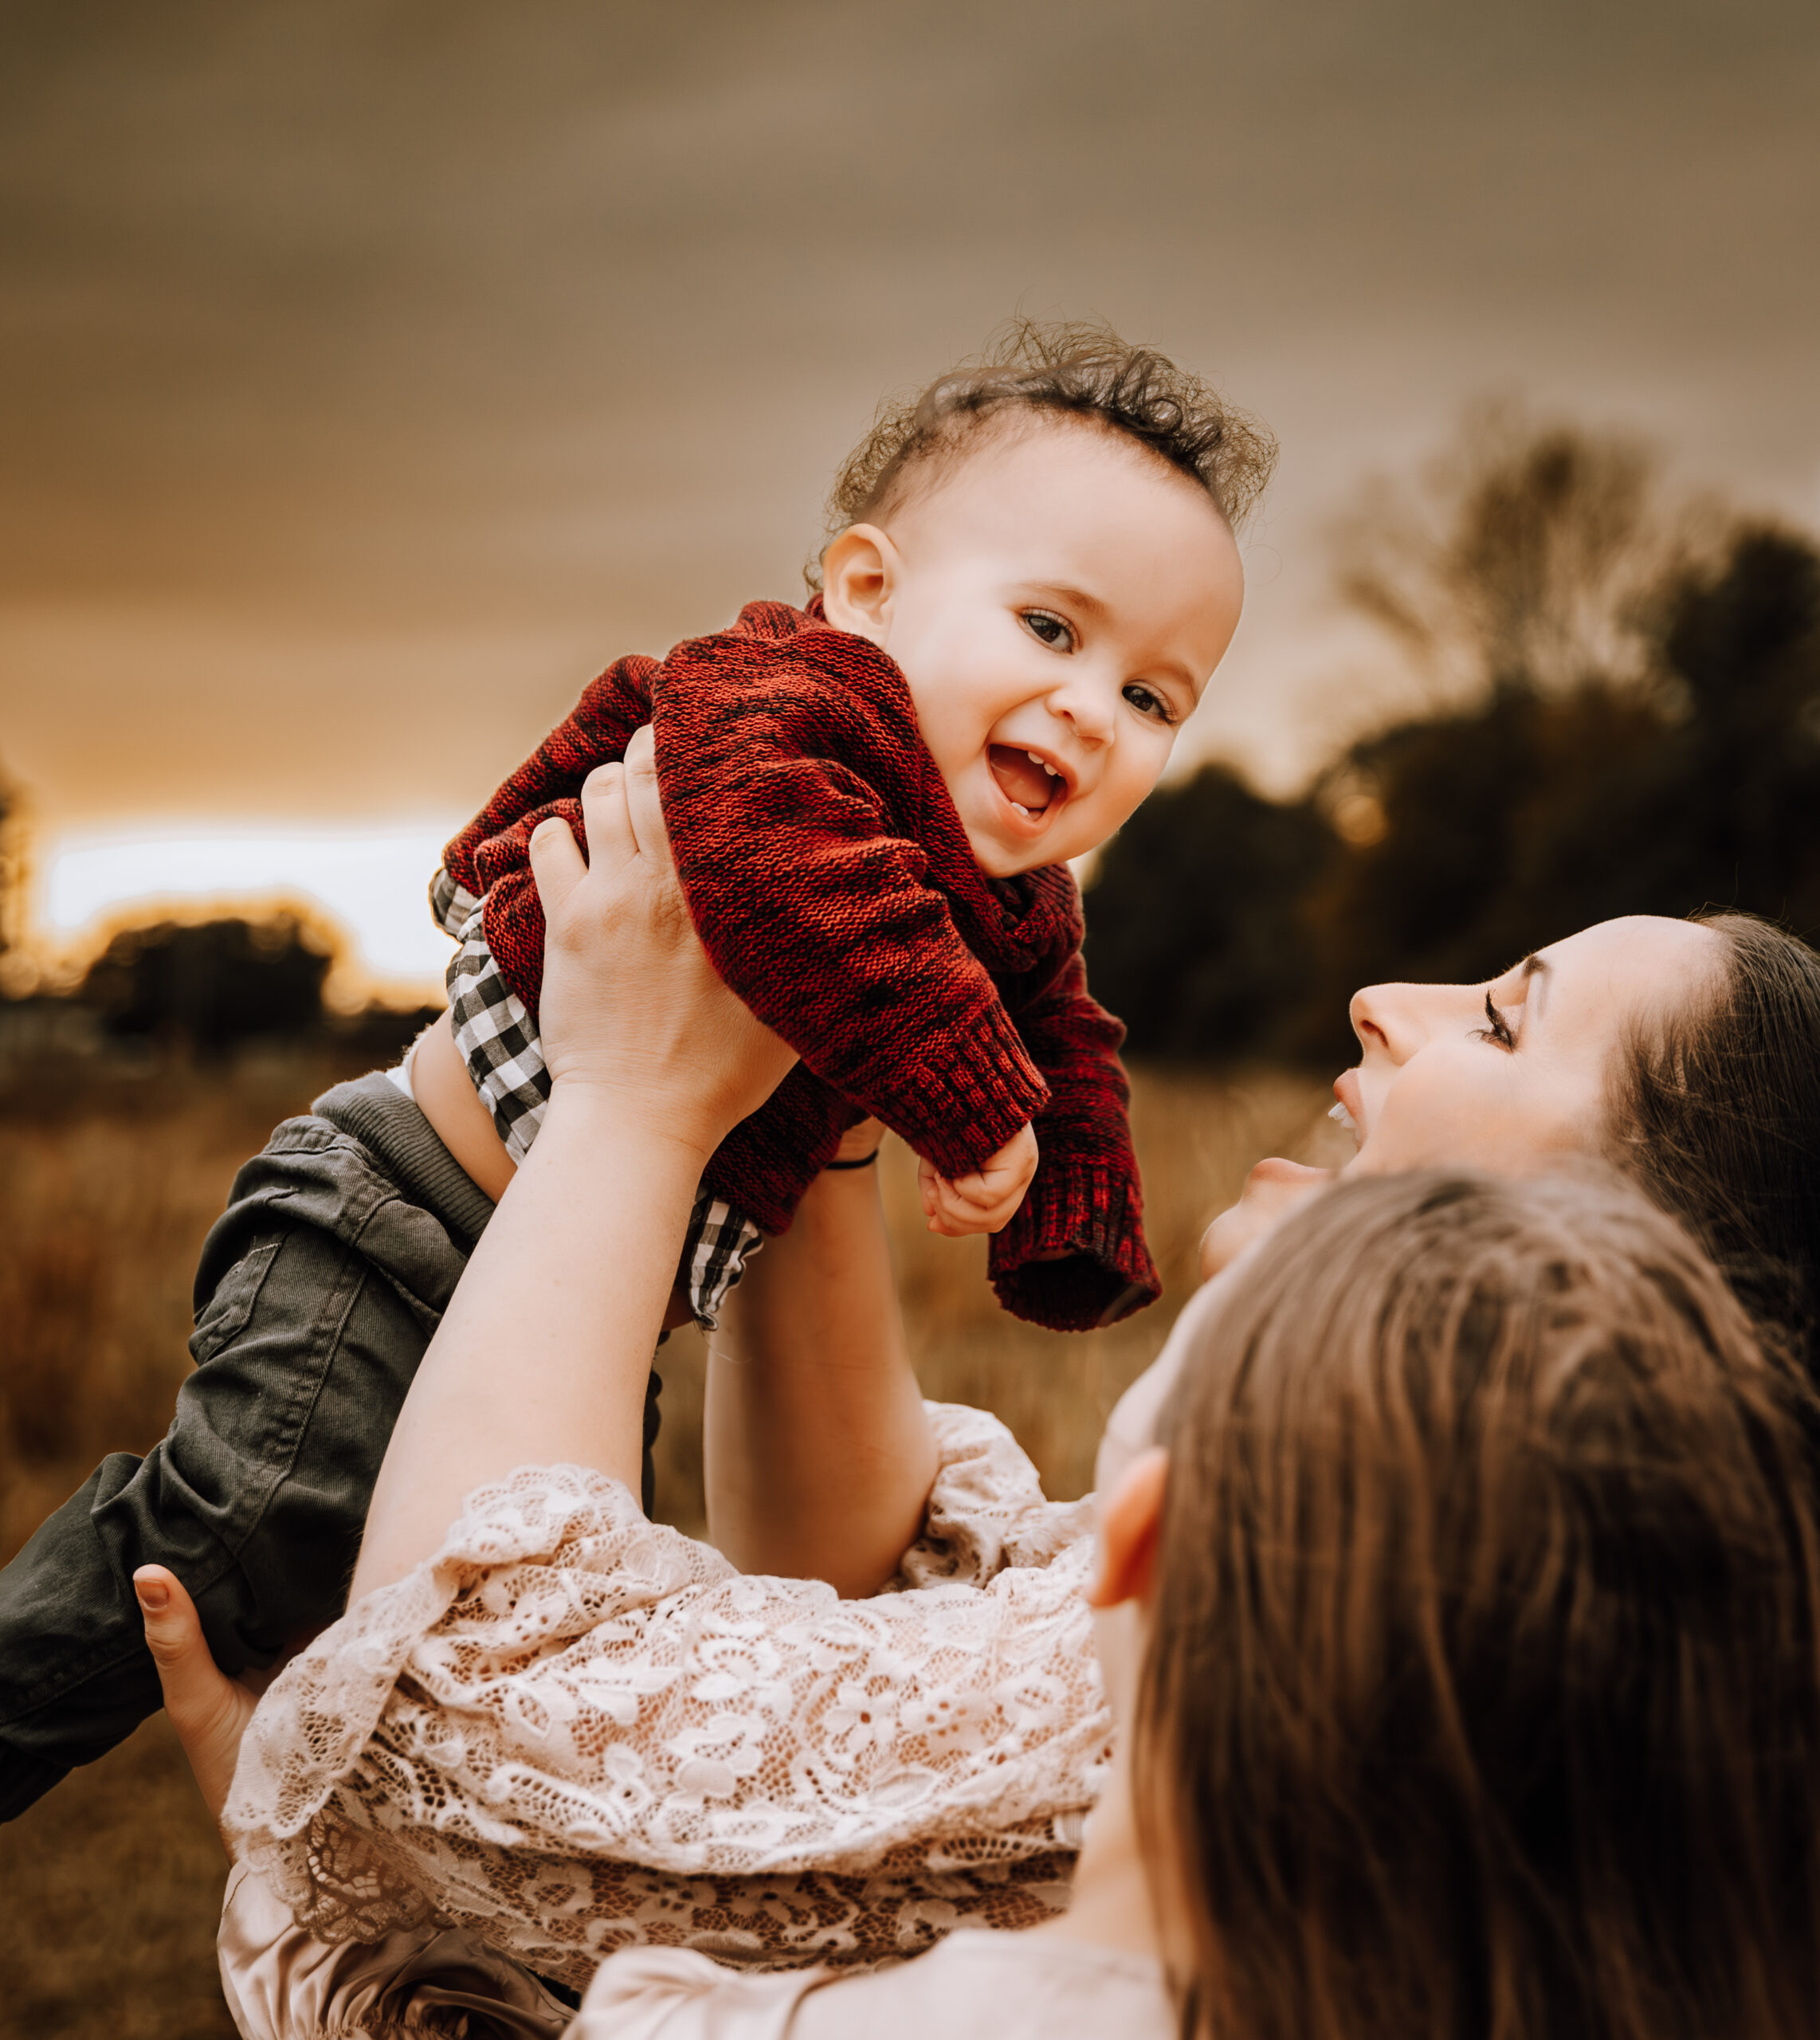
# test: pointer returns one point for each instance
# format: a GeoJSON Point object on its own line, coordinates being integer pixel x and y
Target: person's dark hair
{"type": "Point", "coordinates": [1715, 1110]}
{"type": "Point", "coordinates": [1084, 371]}
{"type": "Point", "coordinates": [1483, 1691]}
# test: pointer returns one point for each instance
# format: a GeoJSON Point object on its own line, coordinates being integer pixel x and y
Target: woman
{"type": "Point", "coordinates": [1685, 1053]}
{"type": "Point", "coordinates": [1510, 1087]}
{"type": "Point", "coordinates": [1470, 1596]}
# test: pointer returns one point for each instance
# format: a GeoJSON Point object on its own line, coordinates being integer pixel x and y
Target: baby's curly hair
{"type": "Point", "coordinates": [1082, 370]}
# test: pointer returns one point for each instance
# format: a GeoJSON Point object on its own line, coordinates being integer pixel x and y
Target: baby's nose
{"type": "Point", "coordinates": [1087, 709]}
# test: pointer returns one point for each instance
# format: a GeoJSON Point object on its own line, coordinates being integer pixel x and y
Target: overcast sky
{"type": "Point", "coordinates": [372, 370]}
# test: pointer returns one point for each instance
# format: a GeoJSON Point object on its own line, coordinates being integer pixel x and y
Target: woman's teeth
{"type": "Point", "coordinates": [1342, 1117]}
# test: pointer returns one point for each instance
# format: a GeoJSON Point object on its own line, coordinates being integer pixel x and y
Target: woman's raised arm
{"type": "Point", "coordinates": [818, 1449]}
{"type": "Point", "coordinates": [543, 1352]}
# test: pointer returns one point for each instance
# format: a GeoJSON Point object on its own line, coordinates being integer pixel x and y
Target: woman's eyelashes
{"type": "Point", "coordinates": [1498, 1028]}
{"type": "Point", "coordinates": [1049, 628]}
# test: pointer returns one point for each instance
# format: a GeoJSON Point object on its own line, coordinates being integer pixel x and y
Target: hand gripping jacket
{"type": "Point", "coordinates": [832, 884]}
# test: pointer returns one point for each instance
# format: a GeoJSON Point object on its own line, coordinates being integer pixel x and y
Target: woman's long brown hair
{"type": "Point", "coordinates": [1483, 1695]}
{"type": "Point", "coordinates": [1714, 1108]}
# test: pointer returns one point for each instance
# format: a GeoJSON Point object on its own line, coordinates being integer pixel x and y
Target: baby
{"type": "Point", "coordinates": [872, 803]}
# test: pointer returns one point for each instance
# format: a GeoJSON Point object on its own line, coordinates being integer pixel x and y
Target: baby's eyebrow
{"type": "Point", "coordinates": [1075, 597]}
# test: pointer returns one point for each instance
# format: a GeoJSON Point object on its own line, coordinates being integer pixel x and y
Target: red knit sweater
{"type": "Point", "coordinates": [832, 884]}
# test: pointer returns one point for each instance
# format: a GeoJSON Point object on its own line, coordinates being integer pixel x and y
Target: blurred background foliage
{"type": "Point", "coordinates": [212, 982]}
{"type": "Point", "coordinates": [1622, 715]}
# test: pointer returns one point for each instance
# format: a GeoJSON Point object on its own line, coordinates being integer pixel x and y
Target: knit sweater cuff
{"type": "Point", "coordinates": [958, 1102]}
{"type": "Point", "coordinates": [1073, 1257]}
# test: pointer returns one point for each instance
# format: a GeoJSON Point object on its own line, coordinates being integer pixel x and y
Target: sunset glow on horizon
{"type": "Point", "coordinates": [370, 881]}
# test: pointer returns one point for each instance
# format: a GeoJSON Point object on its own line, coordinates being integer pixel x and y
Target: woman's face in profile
{"type": "Point", "coordinates": [1504, 1076]}
{"type": "Point", "coordinates": [1444, 1080]}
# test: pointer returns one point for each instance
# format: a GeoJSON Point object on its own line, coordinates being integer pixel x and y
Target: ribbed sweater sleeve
{"type": "Point", "coordinates": [1073, 1255]}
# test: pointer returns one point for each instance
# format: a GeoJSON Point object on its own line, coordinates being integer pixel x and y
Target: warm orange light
{"type": "Point", "coordinates": [369, 881]}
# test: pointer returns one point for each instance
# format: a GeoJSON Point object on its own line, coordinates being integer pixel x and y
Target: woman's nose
{"type": "Point", "coordinates": [1396, 1020]}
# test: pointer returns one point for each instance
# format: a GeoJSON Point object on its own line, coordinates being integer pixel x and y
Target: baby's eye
{"type": "Point", "coordinates": [1148, 702]}
{"type": "Point", "coordinates": [1048, 630]}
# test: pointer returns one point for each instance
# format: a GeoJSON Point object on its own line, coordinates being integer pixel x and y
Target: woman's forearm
{"type": "Point", "coordinates": [543, 1354]}
{"type": "Point", "coordinates": [818, 1450]}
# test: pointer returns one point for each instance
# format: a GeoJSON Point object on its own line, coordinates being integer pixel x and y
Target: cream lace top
{"type": "Point", "coordinates": [572, 1730]}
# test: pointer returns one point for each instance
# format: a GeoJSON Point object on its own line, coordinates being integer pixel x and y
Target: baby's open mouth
{"type": "Point", "coordinates": [1023, 779]}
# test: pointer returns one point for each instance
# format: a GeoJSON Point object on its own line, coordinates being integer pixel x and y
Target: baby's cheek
{"type": "Point", "coordinates": [1136, 783]}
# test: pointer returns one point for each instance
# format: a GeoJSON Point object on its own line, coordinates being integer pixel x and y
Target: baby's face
{"type": "Point", "coordinates": [1057, 601]}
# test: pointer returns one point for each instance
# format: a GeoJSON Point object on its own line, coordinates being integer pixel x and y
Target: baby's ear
{"type": "Point", "coordinates": [859, 577]}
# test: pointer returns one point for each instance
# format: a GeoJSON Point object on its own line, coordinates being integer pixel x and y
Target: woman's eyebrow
{"type": "Point", "coordinates": [1536, 971]}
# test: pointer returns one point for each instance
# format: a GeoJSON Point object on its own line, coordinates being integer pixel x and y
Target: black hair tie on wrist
{"type": "Point", "coordinates": [864, 1162]}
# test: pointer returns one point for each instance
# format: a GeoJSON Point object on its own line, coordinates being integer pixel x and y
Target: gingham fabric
{"type": "Point", "coordinates": [505, 1059]}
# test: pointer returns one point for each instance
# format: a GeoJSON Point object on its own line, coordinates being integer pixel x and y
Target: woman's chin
{"type": "Point", "coordinates": [1273, 1188]}
{"type": "Point", "coordinates": [1274, 1175]}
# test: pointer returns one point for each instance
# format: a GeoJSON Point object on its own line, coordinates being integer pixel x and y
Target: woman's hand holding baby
{"type": "Point", "coordinates": [630, 1004]}
{"type": "Point", "coordinates": [986, 1201]}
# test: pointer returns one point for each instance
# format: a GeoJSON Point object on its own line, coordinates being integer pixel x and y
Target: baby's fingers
{"type": "Point", "coordinates": [953, 1221]}
{"type": "Point", "coordinates": [986, 1189]}
{"type": "Point", "coordinates": [958, 1217]}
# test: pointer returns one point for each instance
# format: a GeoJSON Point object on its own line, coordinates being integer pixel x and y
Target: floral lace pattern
{"type": "Point", "coordinates": [572, 1729]}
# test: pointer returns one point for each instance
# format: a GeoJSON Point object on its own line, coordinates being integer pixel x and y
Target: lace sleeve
{"type": "Point", "coordinates": [572, 1729]}
{"type": "Point", "coordinates": [987, 1511]}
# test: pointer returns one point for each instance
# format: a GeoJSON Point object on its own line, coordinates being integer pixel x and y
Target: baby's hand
{"type": "Point", "coordinates": [983, 1202]}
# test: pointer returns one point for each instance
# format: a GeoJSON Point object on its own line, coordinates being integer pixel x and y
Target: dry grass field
{"type": "Point", "coordinates": [109, 1886]}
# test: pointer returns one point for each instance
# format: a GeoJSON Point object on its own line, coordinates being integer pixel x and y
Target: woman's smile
{"type": "Point", "coordinates": [1349, 1111]}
